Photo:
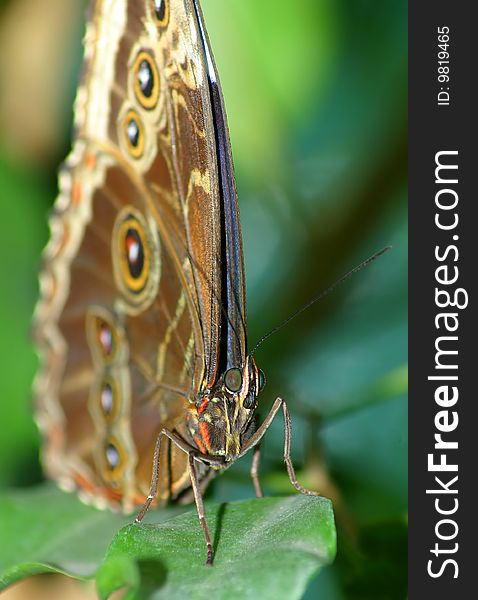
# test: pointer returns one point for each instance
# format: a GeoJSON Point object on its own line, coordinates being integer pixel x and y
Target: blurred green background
{"type": "Point", "coordinates": [316, 95]}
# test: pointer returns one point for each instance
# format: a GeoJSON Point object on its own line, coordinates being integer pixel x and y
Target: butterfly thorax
{"type": "Point", "coordinates": [222, 417]}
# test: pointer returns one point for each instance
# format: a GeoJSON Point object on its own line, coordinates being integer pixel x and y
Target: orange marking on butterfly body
{"type": "Point", "coordinates": [203, 405]}
{"type": "Point", "coordinates": [199, 444]}
{"type": "Point", "coordinates": [204, 431]}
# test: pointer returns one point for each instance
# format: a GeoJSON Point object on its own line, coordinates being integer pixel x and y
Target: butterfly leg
{"type": "Point", "coordinates": [192, 454]}
{"type": "Point", "coordinates": [184, 446]}
{"type": "Point", "coordinates": [256, 438]}
{"type": "Point", "coordinates": [200, 506]}
{"type": "Point", "coordinates": [255, 471]}
{"type": "Point", "coordinates": [154, 480]}
{"type": "Point", "coordinates": [287, 458]}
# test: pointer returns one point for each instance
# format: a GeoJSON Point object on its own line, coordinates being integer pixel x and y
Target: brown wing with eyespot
{"type": "Point", "coordinates": [150, 81]}
{"type": "Point", "coordinates": [127, 325]}
{"type": "Point", "coordinates": [116, 337]}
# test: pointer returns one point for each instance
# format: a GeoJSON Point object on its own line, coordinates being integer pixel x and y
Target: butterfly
{"type": "Point", "coordinates": [146, 388]}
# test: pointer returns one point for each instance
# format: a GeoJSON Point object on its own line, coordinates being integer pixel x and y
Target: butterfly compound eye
{"type": "Point", "coordinates": [233, 379]}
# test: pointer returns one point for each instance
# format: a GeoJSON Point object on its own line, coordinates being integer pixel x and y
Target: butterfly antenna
{"type": "Point", "coordinates": [326, 292]}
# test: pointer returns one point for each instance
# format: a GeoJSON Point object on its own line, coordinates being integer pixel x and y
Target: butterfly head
{"type": "Point", "coordinates": [222, 418]}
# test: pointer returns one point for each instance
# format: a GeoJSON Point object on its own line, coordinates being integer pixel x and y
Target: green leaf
{"type": "Point", "coordinates": [269, 547]}
{"type": "Point", "coordinates": [266, 548]}
{"type": "Point", "coordinates": [22, 199]}
{"type": "Point", "coordinates": [45, 530]}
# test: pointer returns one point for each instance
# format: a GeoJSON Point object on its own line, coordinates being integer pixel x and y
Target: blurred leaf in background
{"type": "Point", "coordinates": [316, 95]}
{"type": "Point", "coordinates": [40, 50]}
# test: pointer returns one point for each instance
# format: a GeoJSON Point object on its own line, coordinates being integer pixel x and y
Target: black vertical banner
{"type": "Point", "coordinates": [443, 417]}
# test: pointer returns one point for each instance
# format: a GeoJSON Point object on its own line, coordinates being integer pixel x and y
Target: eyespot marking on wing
{"type": "Point", "coordinates": [160, 11]}
{"type": "Point", "coordinates": [132, 132]}
{"type": "Point", "coordinates": [135, 254]}
{"type": "Point", "coordinates": [146, 80]}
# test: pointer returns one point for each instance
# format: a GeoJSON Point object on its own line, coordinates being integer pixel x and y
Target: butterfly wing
{"type": "Point", "coordinates": [133, 296]}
